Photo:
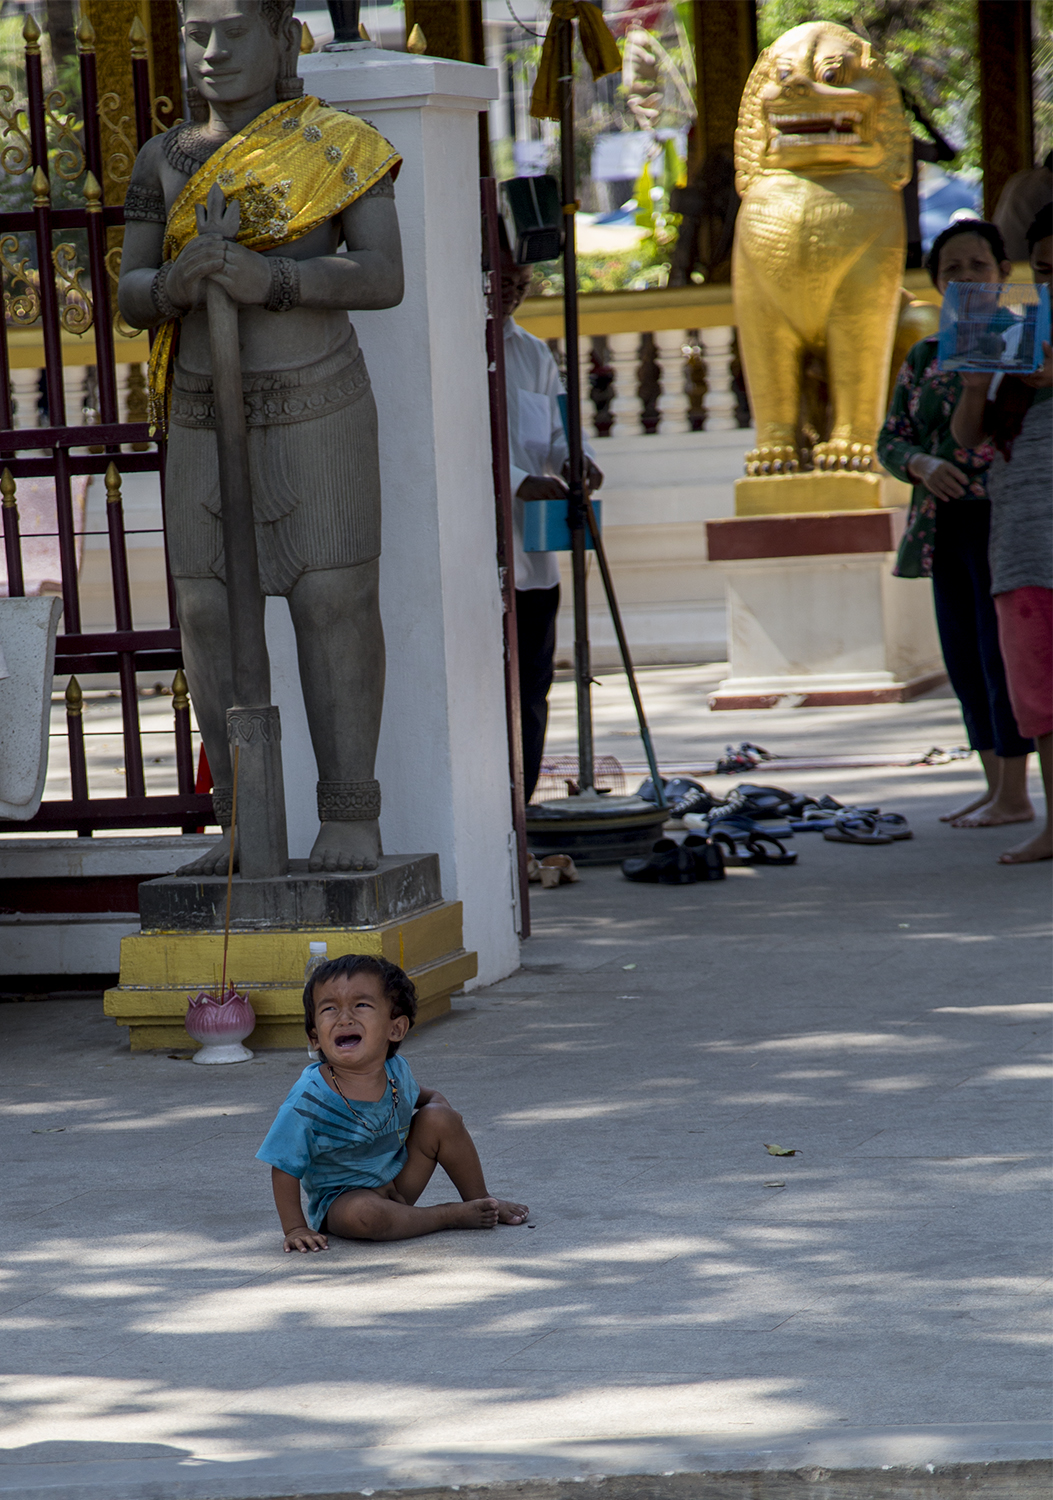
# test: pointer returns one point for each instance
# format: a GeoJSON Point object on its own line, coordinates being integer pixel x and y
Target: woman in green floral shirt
{"type": "Point", "coordinates": [947, 532]}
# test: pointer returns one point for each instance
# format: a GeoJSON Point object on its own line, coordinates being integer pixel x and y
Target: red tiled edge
{"type": "Point", "coordinates": [900, 693]}
{"type": "Point", "coordinates": [738, 538]}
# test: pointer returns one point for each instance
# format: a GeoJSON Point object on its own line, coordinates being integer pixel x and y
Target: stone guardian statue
{"type": "Point", "coordinates": [318, 237]}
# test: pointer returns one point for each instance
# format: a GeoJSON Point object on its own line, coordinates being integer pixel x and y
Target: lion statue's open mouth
{"type": "Point", "coordinates": [841, 128]}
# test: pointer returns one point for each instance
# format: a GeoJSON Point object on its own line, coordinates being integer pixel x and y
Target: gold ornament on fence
{"type": "Point", "coordinates": [19, 307]}
{"type": "Point", "coordinates": [17, 156]}
{"type": "Point", "coordinates": [163, 102]}
{"type": "Point", "coordinates": [67, 161]}
{"type": "Point", "coordinates": [121, 161]}
{"type": "Point", "coordinates": [75, 308]}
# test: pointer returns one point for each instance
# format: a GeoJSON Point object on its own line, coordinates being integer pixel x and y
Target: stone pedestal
{"type": "Point", "coordinates": [816, 617]}
{"type": "Point", "coordinates": [443, 758]}
{"type": "Point", "coordinates": [395, 912]}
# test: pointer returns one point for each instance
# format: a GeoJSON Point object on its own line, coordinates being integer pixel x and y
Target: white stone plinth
{"type": "Point", "coordinates": [27, 648]}
{"type": "Point", "coordinates": [443, 761]}
{"type": "Point", "coordinates": [828, 629]}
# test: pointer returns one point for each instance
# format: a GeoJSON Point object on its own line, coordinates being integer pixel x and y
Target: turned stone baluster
{"type": "Point", "coordinates": [25, 387]}
{"type": "Point", "coordinates": [623, 351]}
{"type": "Point", "coordinates": [673, 401]}
{"type": "Point", "coordinates": [721, 403]}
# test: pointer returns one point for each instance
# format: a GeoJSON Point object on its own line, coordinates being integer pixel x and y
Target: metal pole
{"type": "Point", "coordinates": [576, 504]}
{"type": "Point", "coordinates": [495, 352]}
{"type": "Point", "coordinates": [623, 647]}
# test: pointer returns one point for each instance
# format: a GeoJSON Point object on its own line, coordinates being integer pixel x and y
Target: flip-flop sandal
{"type": "Point", "coordinates": [831, 804]}
{"type": "Point", "coordinates": [758, 854]}
{"type": "Point", "coordinates": [894, 824]}
{"type": "Point", "coordinates": [814, 824]}
{"type": "Point", "coordinates": [856, 829]}
{"type": "Point", "coordinates": [744, 825]}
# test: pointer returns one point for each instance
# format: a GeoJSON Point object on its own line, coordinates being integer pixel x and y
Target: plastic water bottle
{"type": "Point", "coordinates": [319, 955]}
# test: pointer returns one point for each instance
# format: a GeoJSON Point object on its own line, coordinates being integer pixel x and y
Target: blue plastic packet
{"type": "Point", "coordinates": [994, 327]}
{"type": "Point", "coordinates": [545, 527]}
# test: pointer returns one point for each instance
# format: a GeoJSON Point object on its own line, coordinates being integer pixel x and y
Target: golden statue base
{"type": "Point", "coordinates": [795, 494]}
{"type": "Point", "coordinates": [161, 970]}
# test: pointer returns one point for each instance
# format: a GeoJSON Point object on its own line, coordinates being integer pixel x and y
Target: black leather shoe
{"type": "Point", "coordinates": [669, 863]}
{"type": "Point", "coordinates": [708, 857]}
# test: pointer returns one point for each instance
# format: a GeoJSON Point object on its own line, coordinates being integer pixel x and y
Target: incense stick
{"type": "Point", "coordinates": [230, 870]}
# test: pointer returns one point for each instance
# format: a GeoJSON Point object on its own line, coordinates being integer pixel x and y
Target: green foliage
{"type": "Point", "coordinates": [645, 265]}
{"type": "Point", "coordinates": [930, 45]}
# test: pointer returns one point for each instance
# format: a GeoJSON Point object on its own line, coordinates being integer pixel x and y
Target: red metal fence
{"type": "Point", "coordinates": [43, 146]}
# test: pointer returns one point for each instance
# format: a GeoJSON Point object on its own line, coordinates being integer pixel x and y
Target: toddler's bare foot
{"type": "Point", "coordinates": [511, 1213]}
{"type": "Point", "coordinates": [995, 814]}
{"type": "Point", "coordinates": [477, 1213]}
{"type": "Point", "coordinates": [967, 807]}
{"type": "Point", "coordinates": [1040, 847]}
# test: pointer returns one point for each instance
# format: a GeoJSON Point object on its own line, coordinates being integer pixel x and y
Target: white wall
{"type": "Point", "coordinates": [443, 762]}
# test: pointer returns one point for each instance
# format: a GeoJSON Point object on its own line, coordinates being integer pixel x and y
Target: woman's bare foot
{"type": "Point", "coordinates": [511, 1213]}
{"type": "Point", "coordinates": [1029, 853]}
{"type": "Point", "coordinates": [995, 814]}
{"type": "Point", "coordinates": [971, 806]}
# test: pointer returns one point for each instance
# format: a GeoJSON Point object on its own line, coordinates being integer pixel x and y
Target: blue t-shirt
{"type": "Point", "coordinates": [332, 1145]}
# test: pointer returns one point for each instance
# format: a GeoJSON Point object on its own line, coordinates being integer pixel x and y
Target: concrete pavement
{"type": "Point", "coordinates": [876, 1324]}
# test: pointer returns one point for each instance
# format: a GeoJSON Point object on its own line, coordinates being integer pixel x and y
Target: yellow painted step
{"type": "Point", "coordinates": [195, 959]}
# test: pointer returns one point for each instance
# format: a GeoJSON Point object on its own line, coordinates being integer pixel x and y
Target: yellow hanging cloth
{"type": "Point", "coordinates": [599, 46]}
{"type": "Point", "coordinates": [295, 166]}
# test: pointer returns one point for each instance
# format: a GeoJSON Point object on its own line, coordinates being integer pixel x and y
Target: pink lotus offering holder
{"type": "Point", "coordinates": [220, 1026]}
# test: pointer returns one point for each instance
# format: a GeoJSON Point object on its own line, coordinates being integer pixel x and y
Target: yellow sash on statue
{"type": "Point", "coordinates": [295, 166]}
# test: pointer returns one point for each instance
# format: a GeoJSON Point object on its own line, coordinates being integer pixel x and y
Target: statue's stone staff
{"type": "Point", "coordinates": [309, 180]}
{"type": "Point", "coordinates": [253, 723]}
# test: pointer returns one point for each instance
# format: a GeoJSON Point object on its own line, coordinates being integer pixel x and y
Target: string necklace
{"type": "Point", "coordinates": [393, 1115]}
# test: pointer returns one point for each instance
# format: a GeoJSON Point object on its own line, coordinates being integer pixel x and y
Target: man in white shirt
{"type": "Point", "coordinates": [538, 454]}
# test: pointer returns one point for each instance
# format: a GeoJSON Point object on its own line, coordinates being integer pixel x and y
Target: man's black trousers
{"type": "Point", "coordinates": [536, 611]}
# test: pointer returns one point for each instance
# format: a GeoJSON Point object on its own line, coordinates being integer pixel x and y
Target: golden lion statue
{"type": "Point", "coordinates": [821, 151]}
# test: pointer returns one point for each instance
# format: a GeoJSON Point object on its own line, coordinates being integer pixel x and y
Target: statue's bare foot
{"type": "Point", "coordinates": [214, 861]}
{"type": "Point", "coordinates": [772, 458]}
{"type": "Point", "coordinates": [842, 453]}
{"type": "Point", "coordinates": [346, 846]}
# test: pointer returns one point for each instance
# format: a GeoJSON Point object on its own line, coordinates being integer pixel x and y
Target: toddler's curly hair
{"type": "Point", "coordinates": [396, 984]}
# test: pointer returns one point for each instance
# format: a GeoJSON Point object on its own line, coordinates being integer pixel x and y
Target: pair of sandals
{"type": "Point", "coordinates": [744, 841]}
{"type": "Point", "coordinates": [697, 859]}
{"type": "Point", "coordinates": [554, 869]}
{"type": "Point", "coordinates": [860, 826]}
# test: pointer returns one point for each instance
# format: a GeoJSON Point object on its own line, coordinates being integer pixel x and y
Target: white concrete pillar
{"type": "Point", "coordinates": [623, 350]}
{"type": "Point", "coordinates": [443, 761]}
{"type": "Point", "coordinates": [717, 345]}
{"type": "Point", "coordinates": [673, 402]}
